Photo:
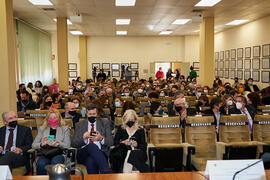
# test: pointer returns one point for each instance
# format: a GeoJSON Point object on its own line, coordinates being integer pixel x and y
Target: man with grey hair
{"type": "Point", "coordinates": [70, 112]}
{"type": "Point", "coordinates": [15, 141]}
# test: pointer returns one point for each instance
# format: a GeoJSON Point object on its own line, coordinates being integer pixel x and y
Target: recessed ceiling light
{"type": "Point", "coordinates": [181, 21]}
{"type": "Point", "coordinates": [236, 22]}
{"type": "Point", "coordinates": [207, 3]}
{"type": "Point", "coordinates": [41, 2]}
{"type": "Point", "coordinates": [76, 32]}
{"type": "Point", "coordinates": [165, 32]}
{"type": "Point", "coordinates": [121, 32]}
{"type": "Point", "coordinates": [122, 21]}
{"type": "Point", "coordinates": [68, 21]}
{"type": "Point", "coordinates": [125, 2]}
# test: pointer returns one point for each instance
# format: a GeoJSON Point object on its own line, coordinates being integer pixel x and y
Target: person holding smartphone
{"type": "Point", "coordinates": [129, 153]}
{"type": "Point", "coordinates": [51, 135]}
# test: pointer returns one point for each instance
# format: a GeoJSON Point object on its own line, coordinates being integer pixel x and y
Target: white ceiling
{"type": "Point", "coordinates": [148, 17]}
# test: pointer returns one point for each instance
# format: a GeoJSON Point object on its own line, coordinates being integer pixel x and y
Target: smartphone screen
{"type": "Point", "coordinates": [51, 138]}
{"type": "Point", "coordinates": [92, 133]}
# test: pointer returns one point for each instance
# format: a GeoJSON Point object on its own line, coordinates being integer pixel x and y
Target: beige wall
{"type": "Point", "coordinates": [248, 35]}
{"type": "Point", "coordinates": [143, 50]}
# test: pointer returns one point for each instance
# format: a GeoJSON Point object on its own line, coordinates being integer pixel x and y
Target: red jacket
{"type": "Point", "coordinates": [159, 74]}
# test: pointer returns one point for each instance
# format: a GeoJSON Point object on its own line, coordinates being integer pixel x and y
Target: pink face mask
{"type": "Point", "coordinates": [53, 122]}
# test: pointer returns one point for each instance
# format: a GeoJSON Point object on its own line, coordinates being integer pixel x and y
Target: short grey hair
{"type": "Point", "coordinates": [4, 115]}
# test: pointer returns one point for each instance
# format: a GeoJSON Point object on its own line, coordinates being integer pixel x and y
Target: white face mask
{"type": "Point", "coordinates": [77, 105]}
{"type": "Point", "coordinates": [206, 91]}
{"type": "Point", "coordinates": [162, 94]}
{"type": "Point", "coordinates": [184, 99]}
{"type": "Point", "coordinates": [127, 94]}
{"type": "Point", "coordinates": [229, 103]}
{"type": "Point", "coordinates": [140, 90]}
{"type": "Point", "coordinates": [79, 87]}
{"type": "Point", "coordinates": [93, 89]}
{"type": "Point", "coordinates": [238, 105]}
{"type": "Point", "coordinates": [199, 94]}
{"type": "Point", "coordinates": [147, 85]}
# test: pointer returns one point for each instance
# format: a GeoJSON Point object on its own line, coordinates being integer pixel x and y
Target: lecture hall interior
{"type": "Point", "coordinates": [175, 82]}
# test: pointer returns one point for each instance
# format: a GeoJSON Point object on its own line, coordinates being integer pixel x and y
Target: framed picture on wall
{"type": "Point", "coordinates": [247, 75]}
{"type": "Point", "coordinates": [97, 65]}
{"type": "Point", "coordinates": [221, 55]}
{"type": "Point", "coordinates": [221, 65]}
{"type": "Point", "coordinates": [220, 73]}
{"type": "Point", "coordinates": [256, 51]}
{"type": "Point", "coordinates": [240, 74]}
{"type": "Point", "coordinates": [256, 76]}
{"type": "Point", "coordinates": [115, 73]}
{"type": "Point", "coordinates": [72, 74]}
{"type": "Point", "coordinates": [197, 71]}
{"type": "Point", "coordinates": [265, 63]}
{"type": "Point", "coordinates": [216, 55]}
{"type": "Point", "coordinates": [232, 74]}
{"type": "Point", "coordinates": [227, 54]}
{"type": "Point", "coordinates": [247, 64]}
{"type": "Point", "coordinates": [233, 54]}
{"type": "Point", "coordinates": [266, 50]}
{"type": "Point", "coordinates": [256, 64]}
{"type": "Point", "coordinates": [233, 64]}
{"type": "Point", "coordinates": [196, 65]}
{"type": "Point", "coordinates": [226, 74]}
{"type": "Point", "coordinates": [125, 65]}
{"type": "Point", "coordinates": [72, 66]}
{"type": "Point", "coordinates": [115, 67]}
{"type": "Point", "coordinates": [240, 53]}
{"type": "Point", "coordinates": [239, 64]}
{"type": "Point", "coordinates": [247, 52]}
{"type": "Point", "coordinates": [227, 64]}
{"type": "Point", "coordinates": [265, 76]}
{"type": "Point", "coordinates": [106, 66]}
{"type": "Point", "coordinates": [134, 65]}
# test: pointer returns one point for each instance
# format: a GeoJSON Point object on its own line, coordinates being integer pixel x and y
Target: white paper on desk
{"type": "Point", "coordinates": [5, 173]}
{"type": "Point", "coordinates": [225, 169]}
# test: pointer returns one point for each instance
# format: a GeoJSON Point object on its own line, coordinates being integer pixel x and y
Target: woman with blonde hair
{"type": "Point", "coordinates": [52, 137]}
{"type": "Point", "coordinates": [130, 146]}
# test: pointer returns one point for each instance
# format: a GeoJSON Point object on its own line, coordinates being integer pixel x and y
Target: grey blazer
{"type": "Point", "coordinates": [62, 136]}
{"type": "Point", "coordinates": [103, 126]}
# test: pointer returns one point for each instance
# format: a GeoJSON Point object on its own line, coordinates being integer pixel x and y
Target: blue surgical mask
{"type": "Point", "coordinates": [250, 82]}
{"type": "Point", "coordinates": [117, 104]}
{"type": "Point", "coordinates": [160, 112]}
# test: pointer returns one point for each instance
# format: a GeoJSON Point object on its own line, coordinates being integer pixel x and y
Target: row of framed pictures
{"type": "Point", "coordinates": [239, 53]}
{"type": "Point", "coordinates": [114, 66]}
{"type": "Point", "coordinates": [118, 74]}
{"type": "Point", "coordinates": [246, 64]}
{"type": "Point", "coordinates": [231, 74]}
{"type": "Point", "coordinates": [72, 70]}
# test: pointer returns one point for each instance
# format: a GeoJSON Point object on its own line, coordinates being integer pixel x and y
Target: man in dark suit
{"type": "Point", "coordinates": [241, 107]}
{"type": "Point", "coordinates": [70, 112]}
{"type": "Point", "coordinates": [15, 141]}
{"type": "Point", "coordinates": [93, 139]}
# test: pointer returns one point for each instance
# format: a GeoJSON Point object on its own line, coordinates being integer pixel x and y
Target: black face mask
{"type": "Point", "coordinates": [92, 119]}
{"type": "Point", "coordinates": [200, 103]}
{"type": "Point", "coordinates": [72, 113]}
{"type": "Point", "coordinates": [130, 123]}
{"type": "Point", "coordinates": [217, 78]}
{"type": "Point", "coordinates": [178, 108]}
{"type": "Point", "coordinates": [12, 124]}
{"type": "Point", "coordinates": [48, 103]}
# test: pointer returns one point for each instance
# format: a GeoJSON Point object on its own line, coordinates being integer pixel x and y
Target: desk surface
{"type": "Point", "coordinates": [135, 176]}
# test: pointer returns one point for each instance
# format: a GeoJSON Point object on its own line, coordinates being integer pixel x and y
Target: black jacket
{"type": "Point", "coordinates": [255, 88]}
{"type": "Point", "coordinates": [30, 105]}
{"type": "Point", "coordinates": [24, 138]}
{"type": "Point", "coordinates": [250, 109]}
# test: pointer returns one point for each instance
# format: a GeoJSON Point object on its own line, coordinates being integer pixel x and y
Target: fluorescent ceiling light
{"type": "Point", "coordinates": [76, 32]}
{"type": "Point", "coordinates": [121, 32]}
{"type": "Point", "coordinates": [165, 32]}
{"type": "Point", "coordinates": [207, 3]}
{"type": "Point", "coordinates": [181, 21]}
{"type": "Point", "coordinates": [41, 2]}
{"type": "Point", "coordinates": [122, 21]}
{"type": "Point", "coordinates": [68, 21]}
{"type": "Point", "coordinates": [197, 30]}
{"type": "Point", "coordinates": [125, 2]}
{"type": "Point", "coordinates": [236, 22]}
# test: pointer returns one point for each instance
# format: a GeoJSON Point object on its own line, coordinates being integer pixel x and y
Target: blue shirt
{"type": "Point", "coordinates": [14, 139]}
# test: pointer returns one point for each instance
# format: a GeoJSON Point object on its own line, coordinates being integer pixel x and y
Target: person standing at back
{"type": "Point", "coordinates": [192, 73]}
{"type": "Point", "coordinates": [160, 74]}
